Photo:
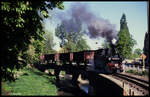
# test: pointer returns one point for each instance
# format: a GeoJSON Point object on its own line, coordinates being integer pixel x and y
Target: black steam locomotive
{"type": "Point", "coordinates": [108, 61]}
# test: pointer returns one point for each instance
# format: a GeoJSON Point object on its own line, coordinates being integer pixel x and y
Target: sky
{"type": "Point", "coordinates": [136, 16]}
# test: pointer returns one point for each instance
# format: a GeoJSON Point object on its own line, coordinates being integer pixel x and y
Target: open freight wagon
{"type": "Point", "coordinates": [104, 60]}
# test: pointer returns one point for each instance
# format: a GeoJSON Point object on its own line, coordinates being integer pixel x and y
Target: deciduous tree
{"type": "Point", "coordinates": [20, 22]}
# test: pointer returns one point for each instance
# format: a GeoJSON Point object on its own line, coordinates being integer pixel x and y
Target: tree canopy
{"type": "Point", "coordinates": [138, 51]}
{"type": "Point", "coordinates": [71, 41]}
{"type": "Point", "coordinates": [21, 23]}
{"type": "Point", "coordinates": [125, 40]}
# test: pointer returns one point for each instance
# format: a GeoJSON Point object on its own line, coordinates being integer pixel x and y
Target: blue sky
{"type": "Point", "coordinates": [136, 15]}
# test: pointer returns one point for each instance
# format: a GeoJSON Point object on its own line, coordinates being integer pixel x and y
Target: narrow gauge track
{"type": "Point", "coordinates": [139, 84]}
{"type": "Point", "coordinates": [145, 82]}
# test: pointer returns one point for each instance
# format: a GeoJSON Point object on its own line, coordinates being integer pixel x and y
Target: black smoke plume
{"type": "Point", "coordinates": [82, 19]}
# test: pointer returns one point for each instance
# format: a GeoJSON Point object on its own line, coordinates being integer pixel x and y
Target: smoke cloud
{"type": "Point", "coordinates": [79, 18]}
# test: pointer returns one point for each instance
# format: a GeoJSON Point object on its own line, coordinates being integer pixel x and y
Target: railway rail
{"type": "Point", "coordinates": [132, 85]}
{"type": "Point", "coordinates": [102, 60]}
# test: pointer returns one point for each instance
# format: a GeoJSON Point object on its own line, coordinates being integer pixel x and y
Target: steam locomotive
{"type": "Point", "coordinates": [103, 60]}
{"type": "Point", "coordinates": [108, 60]}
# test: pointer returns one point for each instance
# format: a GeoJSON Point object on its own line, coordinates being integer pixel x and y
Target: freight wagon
{"type": "Point", "coordinates": [105, 60]}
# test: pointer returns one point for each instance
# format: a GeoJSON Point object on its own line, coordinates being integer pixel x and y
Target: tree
{"type": "Point", "coordinates": [71, 41]}
{"type": "Point", "coordinates": [146, 50]}
{"type": "Point", "coordinates": [136, 54]}
{"type": "Point", "coordinates": [70, 46]}
{"type": "Point", "coordinates": [125, 40]}
{"type": "Point", "coordinates": [61, 33]}
{"type": "Point", "coordinates": [82, 45]}
{"type": "Point", "coordinates": [48, 43]}
{"type": "Point", "coordinates": [20, 24]}
{"type": "Point", "coordinates": [138, 51]}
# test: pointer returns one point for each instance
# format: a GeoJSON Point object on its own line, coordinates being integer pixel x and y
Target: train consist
{"type": "Point", "coordinates": [105, 60]}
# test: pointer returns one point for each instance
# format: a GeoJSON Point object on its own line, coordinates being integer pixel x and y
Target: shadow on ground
{"type": "Point", "coordinates": [103, 86]}
{"type": "Point", "coordinates": [66, 88]}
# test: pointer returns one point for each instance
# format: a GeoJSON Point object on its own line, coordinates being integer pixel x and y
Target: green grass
{"type": "Point", "coordinates": [33, 82]}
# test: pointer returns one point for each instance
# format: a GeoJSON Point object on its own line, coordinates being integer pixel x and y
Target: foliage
{"type": "Point", "coordinates": [33, 52]}
{"type": "Point", "coordinates": [29, 54]}
{"type": "Point", "coordinates": [71, 41]}
{"type": "Point", "coordinates": [48, 43]}
{"type": "Point", "coordinates": [70, 46]}
{"type": "Point", "coordinates": [138, 51]}
{"type": "Point", "coordinates": [21, 23]}
{"type": "Point", "coordinates": [136, 54]}
{"type": "Point", "coordinates": [125, 40]}
{"type": "Point", "coordinates": [61, 33]}
{"type": "Point", "coordinates": [146, 50]}
{"type": "Point", "coordinates": [82, 45]}
{"type": "Point", "coordinates": [146, 43]}
{"type": "Point", "coordinates": [133, 56]}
